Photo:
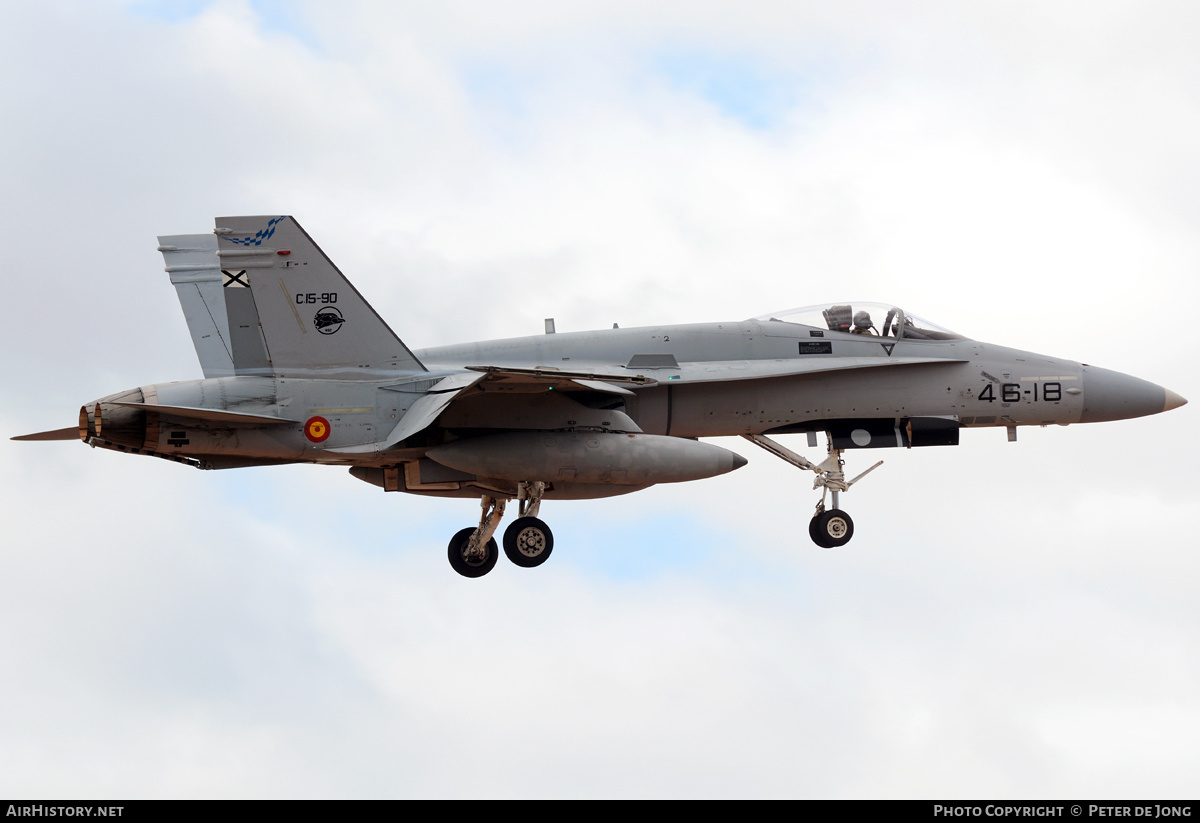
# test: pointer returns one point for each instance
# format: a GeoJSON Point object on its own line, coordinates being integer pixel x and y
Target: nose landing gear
{"type": "Point", "coordinates": [829, 528]}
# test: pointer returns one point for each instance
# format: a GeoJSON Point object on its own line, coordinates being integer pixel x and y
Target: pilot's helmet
{"type": "Point", "coordinates": [862, 320]}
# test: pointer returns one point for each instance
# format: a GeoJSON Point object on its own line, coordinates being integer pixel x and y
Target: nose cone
{"type": "Point", "coordinates": [1110, 395]}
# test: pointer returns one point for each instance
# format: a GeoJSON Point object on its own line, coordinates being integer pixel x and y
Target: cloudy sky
{"type": "Point", "coordinates": [1010, 619]}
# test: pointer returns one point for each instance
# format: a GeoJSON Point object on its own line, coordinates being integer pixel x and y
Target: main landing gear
{"type": "Point", "coordinates": [829, 528]}
{"type": "Point", "coordinates": [527, 541]}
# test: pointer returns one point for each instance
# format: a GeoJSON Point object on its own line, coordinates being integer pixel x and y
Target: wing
{"type": "Point", "coordinates": [509, 398]}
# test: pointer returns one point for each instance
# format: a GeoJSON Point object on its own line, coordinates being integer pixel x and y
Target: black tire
{"type": "Point", "coordinates": [815, 533]}
{"type": "Point", "coordinates": [476, 567]}
{"type": "Point", "coordinates": [834, 528]}
{"type": "Point", "coordinates": [528, 542]}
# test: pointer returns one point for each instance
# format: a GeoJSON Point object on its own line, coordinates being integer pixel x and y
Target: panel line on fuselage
{"type": "Point", "coordinates": [669, 394]}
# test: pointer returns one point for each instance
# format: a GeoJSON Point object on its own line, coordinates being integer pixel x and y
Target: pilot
{"type": "Point", "coordinates": [863, 324]}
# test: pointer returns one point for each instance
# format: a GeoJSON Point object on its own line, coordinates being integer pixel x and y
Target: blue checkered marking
{"type": "Point", "coordinates": [259, 236]}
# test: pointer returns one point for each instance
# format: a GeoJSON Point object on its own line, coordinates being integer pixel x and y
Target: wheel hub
{"type": "Point", "coordinates": [477, 559]}
{"type": "Point", "coordinates": [531, 542]}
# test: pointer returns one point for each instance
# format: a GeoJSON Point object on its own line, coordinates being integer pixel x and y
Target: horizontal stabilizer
{"type": "Point", "coordinates": [58, 434]}
{"type": "Point", "coordinates": [212, 415]}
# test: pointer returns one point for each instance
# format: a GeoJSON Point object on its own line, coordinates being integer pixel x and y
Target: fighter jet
{"type": "Point", "coordinates": [298, 368]}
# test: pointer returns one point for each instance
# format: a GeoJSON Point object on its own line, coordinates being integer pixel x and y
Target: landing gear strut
{"type": "Point", "coordinates": [473, 552]}
{"type": "Point", "coordinates": [829, 528]}
{"type": "Point", "coordinates": [527, 541]}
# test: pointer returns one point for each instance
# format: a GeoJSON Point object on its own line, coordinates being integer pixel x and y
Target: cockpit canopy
{"type": "Point", "coordinates": [871, 319]}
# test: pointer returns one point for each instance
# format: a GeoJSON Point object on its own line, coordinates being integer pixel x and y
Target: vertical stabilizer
{"type": "Point", "coordinates": [195, 269]}
{"type": "Point", "coordinates": [312, 318]}
{"type": "Point", "coordinates": [218, 307]}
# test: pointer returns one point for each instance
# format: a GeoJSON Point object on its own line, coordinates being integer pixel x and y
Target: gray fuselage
{"type": "Point", "coordinates": [711, 380]}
